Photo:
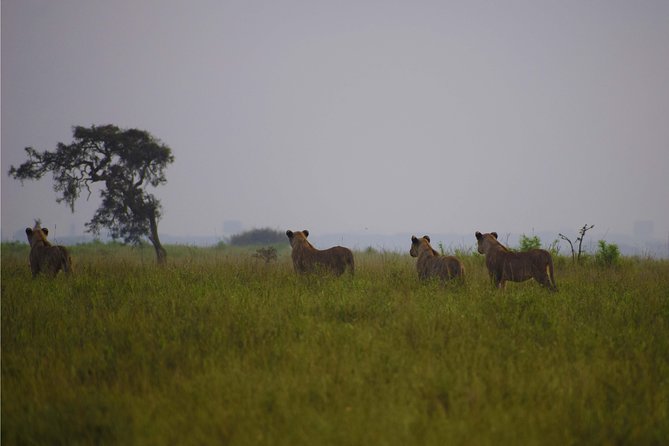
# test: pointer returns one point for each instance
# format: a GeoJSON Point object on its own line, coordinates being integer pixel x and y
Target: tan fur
{"type": "Point", "coordinates": [45, 257]}
{"type": "Point", "coordinates": [307, 259]}
{"type": "Point", "coordinates": [431, 264]}
{"type": "Point", "coordinates": [504, 264]}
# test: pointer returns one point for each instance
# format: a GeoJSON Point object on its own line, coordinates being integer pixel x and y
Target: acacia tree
{"type": "Point", "coordinates": [124, 162]}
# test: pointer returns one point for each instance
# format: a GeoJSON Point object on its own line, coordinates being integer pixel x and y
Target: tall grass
{"type": "Point", "coordinates": [221, 348]}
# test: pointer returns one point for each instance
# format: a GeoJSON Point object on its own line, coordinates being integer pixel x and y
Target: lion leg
{"type": "Point", "coordinates": [500, 280]}
{"type": "Point", "coordinates": [492, 278]}
{"type": "Point", "coordinates": [461, 273]}
{"type": "Point", "coordinates": [543, 280]}
{"type": "Point", "coordinates": [66, 260]}
{"type": "Point", "coordinates": [454, 272]}
{"type": "Point", "coordinates": [544, 277]}
{"type": "Point", "coordinates": [47, 268]}
{"type": "Point", "coordinates": [34, 265]}
{"type": "Point", "coordinates": [52, 269]}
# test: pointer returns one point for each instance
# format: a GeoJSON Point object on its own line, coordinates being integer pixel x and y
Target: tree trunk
{"type": "Point", "coordinates": [571, 245]}
{"type": "Point", "coordinates": [161, 254]}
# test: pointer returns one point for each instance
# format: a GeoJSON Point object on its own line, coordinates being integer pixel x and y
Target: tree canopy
{"type": "Point", "coordinates": [124, 162]}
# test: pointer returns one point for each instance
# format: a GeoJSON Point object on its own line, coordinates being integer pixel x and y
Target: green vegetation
{"type": "Point", "coordinates": [527, 243]}
{"type": "Point", "coordinates": [261, 236]}
{"type": "Point", "coordinates": [219, 347]}
{"type": "Point", "coordinates": [608, 254]}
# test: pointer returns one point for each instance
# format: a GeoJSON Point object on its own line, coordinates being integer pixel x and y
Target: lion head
{"type": "Point", "coordinates": [485, 240]}
{"type": "Point", "coordinates": [37, 235]}
{"type": "Point", "coordinates": [298, 237]}
{"type": "Point", "coordinates": [417, 244]}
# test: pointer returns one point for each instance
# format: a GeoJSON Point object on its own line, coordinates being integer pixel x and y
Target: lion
{"type": "Point", "coordinates": [306, 258]}
{"type": "Point", "coordinates": [431, 264]}
{"type": "Point", "coordinates": [504, 264]}
{"type": "Point", "coordinates": [45, 257]}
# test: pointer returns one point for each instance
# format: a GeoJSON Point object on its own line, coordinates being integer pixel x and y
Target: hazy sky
{"type": "Point", "coordinates": [384, 116]}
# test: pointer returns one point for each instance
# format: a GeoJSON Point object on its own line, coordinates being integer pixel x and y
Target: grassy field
{"type": "Point", "coordinates": [220, 348]}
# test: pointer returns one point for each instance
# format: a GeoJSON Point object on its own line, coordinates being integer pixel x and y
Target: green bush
{"type": "Point", "coordinates": [527, 243]}
{"type": "Point", "coordinates": [554, 248]}
{"type": "Point", "coordinates": [262, 236]}
{"type": "Point", "coordinates": [608, 254]}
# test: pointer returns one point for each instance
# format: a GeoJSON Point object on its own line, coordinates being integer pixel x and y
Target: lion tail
{"type": "Point", "coordinates": [550, 274]}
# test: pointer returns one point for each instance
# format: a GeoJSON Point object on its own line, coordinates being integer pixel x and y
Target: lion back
{"type": "Point", "coordinates": [50, 259]}
{"type": "Point", "coordinates": [337, 258]}
{"type": "Point", "coordinates": [531, 261]}
{"type": "Point", "coordinates": [451, 267]}
{"type": "Point", "coordinates": [443, 267]}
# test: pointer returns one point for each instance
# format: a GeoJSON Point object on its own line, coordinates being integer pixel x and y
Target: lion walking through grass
{"type": "Point", "coordinates": [307, 259]}
{"type": "Point", "coordinates": [430, 264]}
{"type": "Point", "coordinates": [504, 264]}
{"type": "Point", "coordinates": [45, 257]}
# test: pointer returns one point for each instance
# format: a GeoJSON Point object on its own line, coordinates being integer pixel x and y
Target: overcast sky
{"type": "Point", "coordinates": [380, 116]}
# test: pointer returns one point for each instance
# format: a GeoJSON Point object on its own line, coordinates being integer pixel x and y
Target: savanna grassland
{"type": "Point", "coordinates": [220, 348]}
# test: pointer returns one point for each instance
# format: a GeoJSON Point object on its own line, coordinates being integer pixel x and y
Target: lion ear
{"type": "Point", "coordinates": [427, 237]}
{"type": "Point", "coordinates": [45, 231]}
{"type": "Point", "coordinates": [29, 232]}
{"type": "Point", "coordinates": [306, 233]}
{"type": "Point", "coordinates": [478, 235]}
{"type": "Point", "coordinates": [414, 239]}
{"type": "Point", "coordinates": [494, 234]}
{"type": "Point", "coordinates": [289, 233]}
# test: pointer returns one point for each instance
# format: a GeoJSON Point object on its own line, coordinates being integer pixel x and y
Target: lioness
{"type": "Point", "coordinates": [431, 264]}
{"type": "Point", "coordinates": [504, 264]}
{"type": "Point", "coordinates": [44, 257]}
{"type": "Point", "coordinates": [307, 259]}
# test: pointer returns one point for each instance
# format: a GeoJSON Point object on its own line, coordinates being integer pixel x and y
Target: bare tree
{"type": "Point", "coordinates": [579, 240]}
{"type": "Point", "coordinates": [571, 245]}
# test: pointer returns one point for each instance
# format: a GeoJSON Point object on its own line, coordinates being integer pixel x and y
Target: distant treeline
{"type": "Point", "coordinates": [262, 236]}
